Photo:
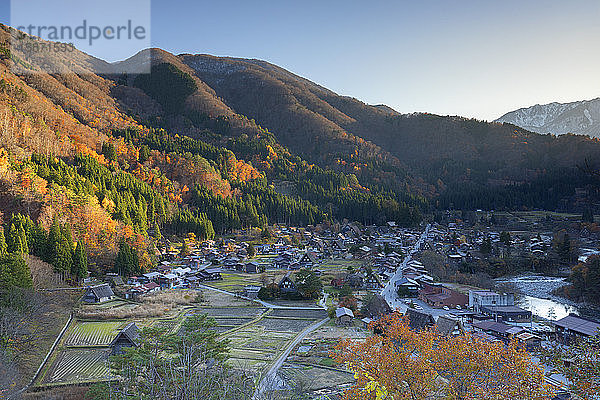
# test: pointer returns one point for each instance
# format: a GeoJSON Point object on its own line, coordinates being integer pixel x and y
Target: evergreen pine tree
{"type": "Point", "coordinates": [22, 246]}
{"type": "Point", "coordinates": [251, 251]}
{"type": "Point", "coordinates": [63, 256]}
{"type": "Point", "coordinates": [127, 261]}
{"type": "Point", "coordinates": [3, 247]}
{"type": "Point", "coordinates": [157, 234]}
{"type": "Point", "coordinates": [79, 268]}
{"type": "Point", "coordinates": [51, 244]}
{"type": "Point", "coordinates": [14, 271]}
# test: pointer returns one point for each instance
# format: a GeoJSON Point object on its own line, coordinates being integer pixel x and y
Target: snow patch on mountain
{"type": "Point", "coordinates": [579, 117]}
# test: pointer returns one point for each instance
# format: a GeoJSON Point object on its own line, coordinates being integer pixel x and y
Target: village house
{"type": "Point", "coordinates": [98, 294]}
{"type": "Point", "coordinates": [407, 287]}
{"type": "Point", "coordinates": [373, 282]}
{"type": "Point", "coordinates": [449, 326]}
{"type": "Point", "coordinates": [167, 281]}
{"type": "Point", "coordinates": [418, 320]}
{"type": "Point", "coordinates": [287, 287]}
{"type": "Point", "coordinates": [308, 260]}
{"type": "Point", "coordinates": [500, 330]}
{"type": "Point", "coordinates": [209, 274]}
{"type": "Point", "coordinates": [507, 313]}
{"type": "Point", "coordinates": [251, 267]}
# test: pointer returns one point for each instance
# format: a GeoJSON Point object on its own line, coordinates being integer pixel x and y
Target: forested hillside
{"type": "Point", "coordinates": [103, 167]}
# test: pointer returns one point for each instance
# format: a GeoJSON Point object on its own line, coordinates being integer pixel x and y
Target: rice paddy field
{"type": "Point", "coordinates": [93, 333]}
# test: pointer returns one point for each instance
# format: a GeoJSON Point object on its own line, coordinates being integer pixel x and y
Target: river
{"type": "Point", "coordinates": [534, 293]}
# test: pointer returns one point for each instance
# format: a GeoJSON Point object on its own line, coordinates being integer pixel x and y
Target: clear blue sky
{"type": "Point", "coordinates": [473, 58]}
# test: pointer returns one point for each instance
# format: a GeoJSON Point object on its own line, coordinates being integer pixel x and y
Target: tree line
{"type": "Point", "coordinates": [56, 246]}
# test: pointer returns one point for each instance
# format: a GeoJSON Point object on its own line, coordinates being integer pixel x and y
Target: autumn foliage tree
{"type": "Point", "coordinates": [401, 364]}
{"type": "Point", "coordinates": [580, 364]}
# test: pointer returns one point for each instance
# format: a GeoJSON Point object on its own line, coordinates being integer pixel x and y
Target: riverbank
{"type": "Point", "coordinates": [537, 293]}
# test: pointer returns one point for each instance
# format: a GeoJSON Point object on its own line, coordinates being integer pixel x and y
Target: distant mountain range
{"type": "Point", "coordinates": [579, 117]}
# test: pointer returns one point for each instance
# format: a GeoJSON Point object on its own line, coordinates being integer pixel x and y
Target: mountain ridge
{"type": "Point", "coordinates": [577, 117]}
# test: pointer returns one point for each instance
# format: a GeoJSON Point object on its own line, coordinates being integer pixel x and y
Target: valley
{"type": "Point", "coordinates": [221, 227]}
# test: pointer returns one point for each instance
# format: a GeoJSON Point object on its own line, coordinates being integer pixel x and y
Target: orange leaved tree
{"type": "Point", "coordinates": [400, 363]}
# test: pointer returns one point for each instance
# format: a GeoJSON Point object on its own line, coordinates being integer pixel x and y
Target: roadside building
{"type": "Point", "coordinates": [481, 298]}
{"type": "Point", "coordinates": [507, 313]}
{"type": "Point", "coordinates": [438, 295]}
{"type": "Point", "coordinates": [418, 320]}
{"type": "Point", "coordinates": [287, 287]}
{"type": "Point", "coordinates": [447, 325]}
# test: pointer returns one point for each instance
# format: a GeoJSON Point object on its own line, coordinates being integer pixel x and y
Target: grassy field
{"type": "Point", "coordinates": [236, 281]}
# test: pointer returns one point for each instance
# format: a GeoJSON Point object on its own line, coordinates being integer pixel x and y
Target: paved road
{"type": "Point", "coordinates": [271, 381]}
{"type": "Point", "coordinates": [389, 291]}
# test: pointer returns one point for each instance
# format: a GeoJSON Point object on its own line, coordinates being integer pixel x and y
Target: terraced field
{"type": "Point", "coordinates": [231, 321]}
{"type": "Point", "coordinates": [168, 324]}
{"type": "Point", "coordinates": [79, 365]}
{"type": "Point", "coordinates": [93, 333]}
{"type": "Point", "coordinates": [317, 313]}
{"type": "Point", "coordinates": [235, 312]}
{"type": "Point", "coordinates": [284, 325]}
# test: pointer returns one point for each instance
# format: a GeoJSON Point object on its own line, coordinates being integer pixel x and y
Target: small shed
{"type": "Point", "coordinates": [344, 316]}
{"type": "Point", "coordinates": [126, 338]}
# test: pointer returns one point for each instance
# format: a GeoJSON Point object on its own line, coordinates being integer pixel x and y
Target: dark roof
{"type": "Point", "coordinates": [580, 325]}
{"type": "Point", "coordinates": [446, 325]}
{"type": "Point", "coordinates": [117, 280]}
{"type": "Point", "coordinates": [131, 332]}
{"type": "Point", "coordinates": [419, 320]}
{"type": "Point", "coordinates": [377, 306]}
{"type": "Point", "coordinates": [100, 291]}
{"type": "Point", "coordinates": [491, 325]}
{"type": "Point", "coordinates": [506, 309]}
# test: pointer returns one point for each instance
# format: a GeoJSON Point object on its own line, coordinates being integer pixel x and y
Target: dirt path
{"type": "Point", "coordinates": [271, 381]}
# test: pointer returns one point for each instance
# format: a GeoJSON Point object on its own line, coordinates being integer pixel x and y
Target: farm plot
{"type": "Point", "coordinates": [247, 354]}
{"type": "Point", "coordinates": [79, 365]}
{"type": "Point", "coordinates": [108, 304]}
{"type": "Point", "coordinates": [230, 321]}
{"type": "Point", "coordinates": [233, 312]}
{"type": "Point", "coordinates": [316, 378]}
{"type": "Point", "coordinates": [93, 333]}
{"type": "Point", "coordinates": [267, 342]}
{"type": "Point", "coordinates": [167, 324]}
{"type": "Point", "coordinates": [283, 325]}
{"type": "Point", "coordinates": [317, 313]}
